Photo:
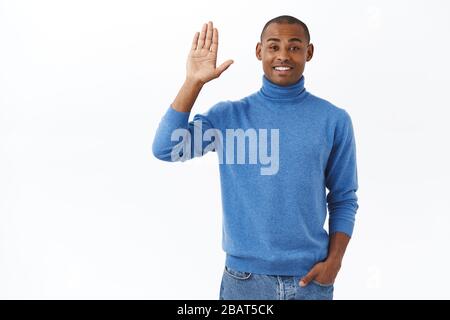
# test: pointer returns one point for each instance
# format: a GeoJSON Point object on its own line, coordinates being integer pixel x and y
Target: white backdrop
{"type": "Point", "coordinates": [86, 212]}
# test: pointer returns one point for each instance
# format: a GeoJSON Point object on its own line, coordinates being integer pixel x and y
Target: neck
{"type": "Point", "coordinates": [274, 91]}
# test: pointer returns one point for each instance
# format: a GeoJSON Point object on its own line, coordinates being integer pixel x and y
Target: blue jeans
{"type": "Point", "coordinates": [239, 285]}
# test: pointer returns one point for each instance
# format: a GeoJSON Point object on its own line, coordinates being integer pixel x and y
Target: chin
{"type": "Point", "coordinates": [283, 82]}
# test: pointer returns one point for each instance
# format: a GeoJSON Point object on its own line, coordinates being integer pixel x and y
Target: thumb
{"type": "Point", "coordinates": [224, 66]}
{"type": "Point", "coordinates": [309, 277]}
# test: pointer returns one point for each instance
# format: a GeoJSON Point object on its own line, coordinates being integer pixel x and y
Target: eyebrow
{"type": "Point", "coordinates": [290, 40]}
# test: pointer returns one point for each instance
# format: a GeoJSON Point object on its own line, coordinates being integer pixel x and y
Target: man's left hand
{"type": "Point", "coordinates": [323, 272]}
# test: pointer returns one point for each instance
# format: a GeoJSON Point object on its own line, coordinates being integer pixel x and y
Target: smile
{"type": "Point", "coordinates": [282, 68]}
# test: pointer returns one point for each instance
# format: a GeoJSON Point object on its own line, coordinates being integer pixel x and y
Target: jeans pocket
{"type": "Point", "coordinates": [326, 285]}
{"type": "Point", "coordinates": [320, 291]}
{"type": "Point", "coordinates": [239, 275]}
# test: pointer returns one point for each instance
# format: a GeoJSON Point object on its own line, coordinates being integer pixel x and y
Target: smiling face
{"type": "Point", "coordinates": [284, 51]}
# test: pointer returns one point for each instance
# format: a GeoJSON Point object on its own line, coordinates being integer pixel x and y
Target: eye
{"type": "Point", "coordinates": [294, 48]}
{"type": "Point", "coordinates": [273, 47]}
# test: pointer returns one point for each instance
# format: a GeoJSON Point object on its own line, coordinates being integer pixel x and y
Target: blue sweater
{"type": "Point", "coordinates": [274, 223]}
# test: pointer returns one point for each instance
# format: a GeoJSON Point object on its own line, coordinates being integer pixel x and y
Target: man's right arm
{"type": "Point", "coordinates": [200, 69]}
{"type": "Point", "coordinates": [187, 95]}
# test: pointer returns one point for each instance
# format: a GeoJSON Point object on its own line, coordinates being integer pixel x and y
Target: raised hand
{"type": "Point", "coordinates": [201, 63]}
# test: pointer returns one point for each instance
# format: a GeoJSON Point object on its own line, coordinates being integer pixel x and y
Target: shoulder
{"type": "Point", "coordinates": [339, 114]}
{"type": "Point", "coordinates": [221, 106]}
{"type": "Point", "coordinates": [228, 106]}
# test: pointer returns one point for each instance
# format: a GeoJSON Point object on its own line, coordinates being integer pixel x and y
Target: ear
{"type": "Point", "coordinates": [258, 51]}
{"type": "Point", "coordinates": [309, 52]}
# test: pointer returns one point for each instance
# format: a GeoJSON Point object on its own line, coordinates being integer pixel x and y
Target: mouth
{"type": "Point", "coordinates": [282, 69]}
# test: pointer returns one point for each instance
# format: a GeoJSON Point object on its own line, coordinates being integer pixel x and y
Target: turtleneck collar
{"type": "Point", "coordinates": [274, 91]}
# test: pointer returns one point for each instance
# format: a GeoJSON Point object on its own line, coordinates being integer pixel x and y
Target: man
{"type": "Point", "coordinates": [273, 235]}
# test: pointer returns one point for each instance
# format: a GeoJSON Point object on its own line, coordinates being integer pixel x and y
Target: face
{"type": "Point", "coordinates": [284, 52]}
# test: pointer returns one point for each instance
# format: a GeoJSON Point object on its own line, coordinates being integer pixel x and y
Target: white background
{"type": "Point", "coordinates": [87, 212]}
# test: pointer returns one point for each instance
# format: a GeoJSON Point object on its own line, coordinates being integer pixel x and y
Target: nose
{"type": "Point", "coordinates": [283, 55]}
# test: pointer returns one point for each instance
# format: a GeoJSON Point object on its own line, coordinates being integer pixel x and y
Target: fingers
{"type": "Point", "coordinates": [208, 38]}
{"type": "Point", "coordinates": [201, 40]}
{"type": "Point", "coordinates": [309, 277]}
{"type": "Point", "coordinates": [215, 41]}
{"type": "Point", "coordinates": [194, 41]}
{"type": "Point", "coordinates": [209, 35]}
{"type": "Point", "coordinates": [224, 66]}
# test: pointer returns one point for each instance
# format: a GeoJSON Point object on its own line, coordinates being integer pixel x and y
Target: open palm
{"type": "Point", "coordinates": [202, 59]}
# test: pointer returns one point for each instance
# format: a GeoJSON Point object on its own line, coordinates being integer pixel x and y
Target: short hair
{"type": "Point", "coordinates": [288, 20]}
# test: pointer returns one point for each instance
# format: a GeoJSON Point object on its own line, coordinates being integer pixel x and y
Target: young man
{"type": "Point", "coordinates": [274, 207]}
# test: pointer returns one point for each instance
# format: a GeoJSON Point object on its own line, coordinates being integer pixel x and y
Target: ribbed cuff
{"type": "Point", "coordinates": [175, 117]}
{"type": "Point", "coordinates": [341, 225]}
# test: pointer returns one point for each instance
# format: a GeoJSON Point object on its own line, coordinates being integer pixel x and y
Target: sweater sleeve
{"type": "Point", "coordinates": [177, 139]}
{"type": "Point", "coordinates": [342, 178]}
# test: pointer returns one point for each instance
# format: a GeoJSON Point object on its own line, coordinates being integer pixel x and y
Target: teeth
{"type": "Point", "coordinates": [282, 68]}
